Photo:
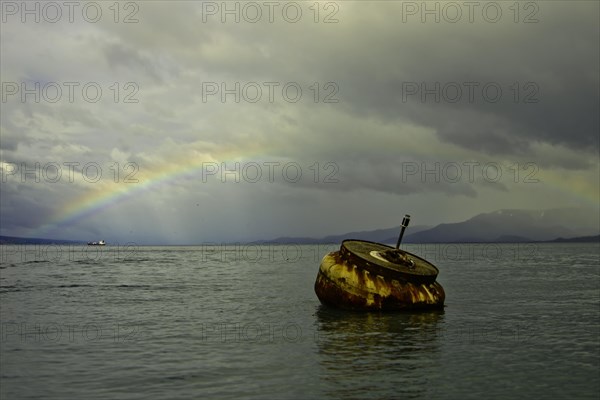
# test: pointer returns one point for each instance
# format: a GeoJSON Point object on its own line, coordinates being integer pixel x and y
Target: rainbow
{"type": "Point", "coordinates": [106, 195]}
{"type": "Point", "coordinates": [578, 187]}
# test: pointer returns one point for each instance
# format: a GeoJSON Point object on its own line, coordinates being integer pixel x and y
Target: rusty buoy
{"type": "Point", "coordinates": [365, 275]}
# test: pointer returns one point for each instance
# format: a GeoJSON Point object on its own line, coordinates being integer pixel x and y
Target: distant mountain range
{"type": "Point", "coordinates": [379, 235]}
{"type": "Point", "coordinates": [502, 226]}
{"type": "Point", "coordinates": [580, 239]}
{"type": "Point", "coordinates": [514, 226]}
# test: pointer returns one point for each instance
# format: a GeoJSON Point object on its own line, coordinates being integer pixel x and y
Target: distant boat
{"type": "Point", "coordinates": [100, 243]}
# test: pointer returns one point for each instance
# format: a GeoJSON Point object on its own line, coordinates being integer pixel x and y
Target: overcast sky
{"type": "Point", "coordinates": [213, 121]}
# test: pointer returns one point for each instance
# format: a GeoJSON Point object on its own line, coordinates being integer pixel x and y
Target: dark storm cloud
{"type": "Point", "coordinates": [547, 71]}
{"type": "Point", "coordinates": [549, 79]}
{"type": "Point", "coordinates": [382, 136]}
{"type": "Point", "coordinates": [22, 207]}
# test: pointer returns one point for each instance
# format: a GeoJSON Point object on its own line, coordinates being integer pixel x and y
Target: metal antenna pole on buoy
{"type": "Point", "coordinates": [405, 222]}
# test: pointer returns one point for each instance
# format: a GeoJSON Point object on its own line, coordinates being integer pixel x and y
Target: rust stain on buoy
{"type": "Point", "coordinates": [365, 275]}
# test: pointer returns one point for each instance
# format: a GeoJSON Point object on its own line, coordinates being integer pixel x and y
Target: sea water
{"type": "Point", "coordinates": [243, 322]}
